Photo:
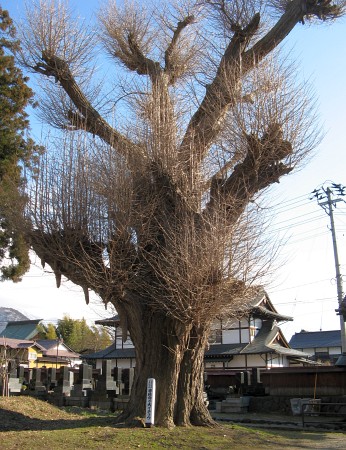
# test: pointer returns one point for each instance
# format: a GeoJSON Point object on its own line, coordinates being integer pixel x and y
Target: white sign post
{"type": "Point", "coordinates": [150, 406]}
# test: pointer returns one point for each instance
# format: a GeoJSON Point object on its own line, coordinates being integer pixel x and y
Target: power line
{"type": "Point", "coordinates": [302, 285]}
{"type": "Point", "coordinates": [303, 302]}
{"type": "Point", "coordinates": [299, 205]}
{"type": "Point", "coordinates": [318, 212]}
{"type": "Point", "coordinates": [305, 239]}
{"type": "Point", "coordinates": [292, 201]}
{"type": "Point", "coordinates": [304, 222]}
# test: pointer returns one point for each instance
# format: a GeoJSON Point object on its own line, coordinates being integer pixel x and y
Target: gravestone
{"type": "Point", "coordinates": [14, 384]}
{"type": "Point", "coordinates": [80, 392]}
{"type": "Point", "coordinates": [51, 379]}
{"type": "Point", "coordinates": [105, 389]}
{"type": "Point", "coordinates": [124, 379]}
{"type": "Point", "coordinates": [62, 388]}
{"type": "Point", "coordinates": [118, 380]}
{"type": "Point", "coordinates": [36, 384]}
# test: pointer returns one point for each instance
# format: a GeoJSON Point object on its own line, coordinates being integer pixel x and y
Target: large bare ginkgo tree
{"type": "Point", "coordinates": [148, 194]}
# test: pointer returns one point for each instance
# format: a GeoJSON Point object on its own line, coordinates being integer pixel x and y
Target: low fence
{"type": "Point", "coordinates": [321, 381]}
{"type": "Point", "coordinates": [333, 414]}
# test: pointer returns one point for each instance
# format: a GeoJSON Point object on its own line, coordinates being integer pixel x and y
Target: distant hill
{"type": "Point", "coordinates": [9, 314]}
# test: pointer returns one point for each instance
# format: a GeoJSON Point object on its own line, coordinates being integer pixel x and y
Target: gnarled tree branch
{"type": "Point", "coordinates": [86, 117]}
{"type": "Point", "coordinates": [170, 68]}
{"type": "Point", "coordinates": [205, 124]}
{"type": "Point", "coordinates": [261, 167]}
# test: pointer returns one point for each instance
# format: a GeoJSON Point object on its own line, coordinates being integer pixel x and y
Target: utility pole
{"type": "Point", "coordinates": [327, 198]}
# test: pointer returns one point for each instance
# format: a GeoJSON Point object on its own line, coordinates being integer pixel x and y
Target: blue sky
{"type": "Point", "coordinates": [304, 287]}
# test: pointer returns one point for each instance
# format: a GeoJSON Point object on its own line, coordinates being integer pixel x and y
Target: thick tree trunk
{"type": "Point", "coordinates": [159, 352]}
{"type": "Point", "coordinates": [190, 408]}
{"type": "Point", "coordinates": [173, 354]}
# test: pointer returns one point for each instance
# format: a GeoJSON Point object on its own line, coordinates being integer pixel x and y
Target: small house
{"type": "Point", "coordinates": [19, 352]}
{"type": "Point", "coordinates": [40, 353]}
{"type": "Point", "coordinates": [324, 346]}
{"type": "Point", "coordinates": [56, 354]}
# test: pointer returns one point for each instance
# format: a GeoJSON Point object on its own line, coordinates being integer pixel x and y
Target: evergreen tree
{"type": "Point", "coordinates": [80, 337]}
{"type": "Point", "coordinates": [16, 152]}
{"type": "Point", "coordinates": [65, 329]}
{"type": "Point", "coordinates": [41, 330]}
{"type": "Point", "coordinates": [46, 331]}
{"type": "Point", "coordinates": [102, 338]}
{"type": "Point", "coordinates": [51, 332]}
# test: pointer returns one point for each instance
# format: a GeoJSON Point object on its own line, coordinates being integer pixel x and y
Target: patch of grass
{"type": "Point", "coordinates": [30, 424]}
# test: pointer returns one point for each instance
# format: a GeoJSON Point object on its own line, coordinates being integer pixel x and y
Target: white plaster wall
{"type": "Point", "coordinates": [237, 361]}
{"type": "Point", "coordinates": [334, 350]}
{"type": "Point", "coordinates": [214, 365]}
{"type": "Point", "coordinates": [122, 363]}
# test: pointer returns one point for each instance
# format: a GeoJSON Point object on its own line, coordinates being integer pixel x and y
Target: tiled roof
{"type": "Point", "coordinates": [260, 293]}
{"type": "Point", "coordinates": [16, 343]}
{"type": "Point", "coordinates": [223, 350]}
{"type": "Point", "coordinates": [313, 339]}
{"type": "Point", "coordinates": [112, 353]}
{"type": "Point", "coordinates": [49, 348]}
{"type": "Point", "coordinates": [261, 311]}
{"type": "Point", "coordinates": [266, 342]}
{"type": "Point", "coordinates": [110, 321]}
{"type": "Point", "coordinates": [288, 351]}
{"type": "Point", "coordinates": [47, 343]}
{"type": "Point", "coordinates": [23, 343]}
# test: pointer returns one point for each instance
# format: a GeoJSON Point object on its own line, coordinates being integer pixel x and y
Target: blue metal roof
{"type": "Point", "coordinates": [21, 329]}
{"type": "Point", "coordinates": [313, 339]}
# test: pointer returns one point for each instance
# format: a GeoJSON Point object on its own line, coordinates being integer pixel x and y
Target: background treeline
{"type": "Point", "coordinates": [77, 334]}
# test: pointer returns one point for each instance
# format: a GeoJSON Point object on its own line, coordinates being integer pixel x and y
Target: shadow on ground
{"type": "Point", "coordinates": [15, 421]}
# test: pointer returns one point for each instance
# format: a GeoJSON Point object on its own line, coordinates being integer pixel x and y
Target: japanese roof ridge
{"type": "Point", "coordinates": [110, 320]}
{"type": "Point", "coordinates": [304, 332]}
{"type": "Point", "coordinates": [18, 343]}
{"type": "Point", "coordinates": [263, 342]}
{"type": "Point", "coordinates": [224, 349]}
{"type": "Point", "coordinates": [48, 344]}
{"type": "Point", "coordinates": [288, 351]}
{"type": "Point", "coordinates": [265, 335]}
{"type": "Point", "coordinates": [24, 322]}
{"type": "Point", "coordinates": [112, 352]}
{"type": "Point", "coordinates": [12, 341]}
{"type": "Point", "coordinates": [61, 353]}
{"type": "Point", "coordinates": [261, 310]}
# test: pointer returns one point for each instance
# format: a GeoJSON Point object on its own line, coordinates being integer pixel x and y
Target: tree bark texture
{"type": "Point", "coordinates": [190, 406]}
{"type": "Point", "coordinates": [177, 364]}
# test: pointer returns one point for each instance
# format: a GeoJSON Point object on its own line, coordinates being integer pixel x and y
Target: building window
{"type": "Point", "coordinates": [215, 337]}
